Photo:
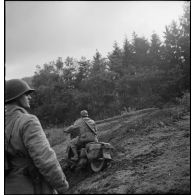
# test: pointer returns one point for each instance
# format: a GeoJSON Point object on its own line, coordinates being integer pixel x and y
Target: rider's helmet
{"type": "Point", "coordinates": [84, 113]}
{"type": "Point", "coordinates": [15, 88]}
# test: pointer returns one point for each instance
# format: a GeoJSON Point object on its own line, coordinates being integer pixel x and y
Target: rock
{"type": "Point", "coordinates": [161, 124]}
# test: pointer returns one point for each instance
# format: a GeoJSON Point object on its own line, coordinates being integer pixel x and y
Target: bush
{"type": "Point", "coordinates": [185, 101]}
{"type": "Point", "coordinates": [55, 135]}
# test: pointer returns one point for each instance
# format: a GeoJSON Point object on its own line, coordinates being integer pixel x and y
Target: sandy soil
{"type": "Point", "coordinates": [152, 155]}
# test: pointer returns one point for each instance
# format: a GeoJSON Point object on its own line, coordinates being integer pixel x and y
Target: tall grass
{"type": "Point", "coordinates": [185, 101]}
{"type": "Point", "coordinates": [55, 135]}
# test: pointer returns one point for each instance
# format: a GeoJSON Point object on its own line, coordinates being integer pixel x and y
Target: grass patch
{"type": "Point", "coordinates": [55, 135]}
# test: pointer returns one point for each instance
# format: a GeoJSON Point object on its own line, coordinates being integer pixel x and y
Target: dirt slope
{"type": "Point", "coordinates": [152, 155]}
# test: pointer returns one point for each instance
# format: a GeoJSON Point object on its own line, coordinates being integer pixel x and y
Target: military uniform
{"type": "Point", "coordinates": [82, 133]}
{"type": "Point", "coordinates": [29, 143]}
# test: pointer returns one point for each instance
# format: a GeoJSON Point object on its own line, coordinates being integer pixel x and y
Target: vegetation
{"type": "Point", "coordinates": [139, 75]}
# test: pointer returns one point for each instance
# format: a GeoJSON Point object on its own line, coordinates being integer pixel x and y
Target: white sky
{"type": "Point", "coordinates": [38, 32]}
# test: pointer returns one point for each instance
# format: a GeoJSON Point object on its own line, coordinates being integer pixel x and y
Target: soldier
{"type": "Point", "coordinates": [84, 130]}
{"type": "Point", "coordinates": [34, 168]}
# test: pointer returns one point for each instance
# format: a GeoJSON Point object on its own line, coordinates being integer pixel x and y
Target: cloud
{"type": "Point", "coordinates": [38, 31]}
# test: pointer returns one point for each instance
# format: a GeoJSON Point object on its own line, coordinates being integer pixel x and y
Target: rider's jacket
{"type": "Point", "coordinates": [29, 141]}
{"type": "Point", "coordinates": [86, 129]}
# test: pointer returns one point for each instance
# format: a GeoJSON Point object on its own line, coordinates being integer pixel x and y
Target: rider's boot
{"type": "Point", "coordinates": [75, 157]}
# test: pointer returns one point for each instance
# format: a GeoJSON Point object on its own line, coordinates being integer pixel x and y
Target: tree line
{"type": "Point", "coordinates": [142, 73]}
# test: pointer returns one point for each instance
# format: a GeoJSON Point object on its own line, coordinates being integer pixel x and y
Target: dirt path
{"type": "Point", "coordinates": [152, 155]}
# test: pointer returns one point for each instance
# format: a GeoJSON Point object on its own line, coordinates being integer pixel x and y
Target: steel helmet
{"type": "Point", "coordinates": [84, 113]}
{"type": "Point", "coordinates": [15, 88]}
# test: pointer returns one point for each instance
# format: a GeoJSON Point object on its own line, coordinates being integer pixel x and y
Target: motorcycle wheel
{"type": "Point", "coordinates": [98, 165]}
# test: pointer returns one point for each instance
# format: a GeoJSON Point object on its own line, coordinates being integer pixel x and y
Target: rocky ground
{"type": "Point", "coordinates": [152, 155]}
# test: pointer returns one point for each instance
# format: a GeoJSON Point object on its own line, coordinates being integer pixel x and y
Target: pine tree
{"type": "Point", "coordinates": [115, 60]}
{"type": "Point", "coordinates": [140, 50]}
{"type": "Point", "coordinates": [185, 43]}
{"type": "Point", "coordinates": [127, 58]}
{"type": "Point", "coordinates": [99, 64]}
{"type": "Point", "coordinates": [155, 52]}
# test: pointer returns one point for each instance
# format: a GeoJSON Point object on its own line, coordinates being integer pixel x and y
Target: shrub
{"type": "Point", "coordinates": [55, 135]}
{"type": "Point", "coordinates": [185, 101]}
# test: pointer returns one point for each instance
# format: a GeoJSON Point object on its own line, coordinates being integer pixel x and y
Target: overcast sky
{"type": "Point", "coordinates": [38, 32]}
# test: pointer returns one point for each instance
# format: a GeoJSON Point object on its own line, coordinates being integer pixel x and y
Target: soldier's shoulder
{"type": "Point", "coordinates": [26, 117]}
{"type": "Point", "coordinates": [78, 121]}
{"type": "Point", "coordinates": [90, 119]}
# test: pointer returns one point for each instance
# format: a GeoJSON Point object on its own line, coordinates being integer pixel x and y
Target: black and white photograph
{"type": "Point", "coordinates": [97, 97]}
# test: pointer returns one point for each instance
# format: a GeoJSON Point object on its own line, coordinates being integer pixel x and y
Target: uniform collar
{"type": "Point", "coordinates": [12, 108]}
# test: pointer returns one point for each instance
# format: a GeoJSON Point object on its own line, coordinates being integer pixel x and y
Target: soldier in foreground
{"type": "Point", "coordinates": [31, 164]}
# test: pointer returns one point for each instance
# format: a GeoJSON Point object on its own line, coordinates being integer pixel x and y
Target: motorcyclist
{"type": "Point", "coordinates": [83, 131]}
{"type": "Point", "coordinates": [33, 165]}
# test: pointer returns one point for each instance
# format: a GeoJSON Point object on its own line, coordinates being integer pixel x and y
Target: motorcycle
{"type": "Point", "coordinates": [96, 155]}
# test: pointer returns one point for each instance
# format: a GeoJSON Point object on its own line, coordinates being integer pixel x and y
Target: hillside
{"type": "Point", "coordinates": [152, 155]}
